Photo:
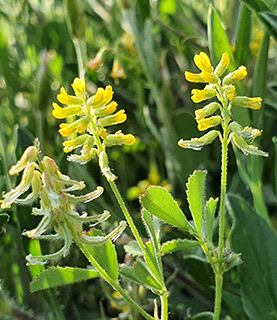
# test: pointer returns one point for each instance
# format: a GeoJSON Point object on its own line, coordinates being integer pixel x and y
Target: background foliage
{"type": "Point", "coordinates": [154, 43]}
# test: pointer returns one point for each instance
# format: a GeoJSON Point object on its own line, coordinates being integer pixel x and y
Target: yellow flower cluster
{"type": "Point", "coordinates": [57, 204]}
{"type": "Point", "coordinates": [91, 117]}
{"type": "Point", "coordinates": [225, 92]}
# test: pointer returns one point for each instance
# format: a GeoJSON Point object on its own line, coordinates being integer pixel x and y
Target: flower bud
{"type": "Point", "coordinates": [79, 87]}
{"type": "Point", "coordinates": [28, 156]}
{"type": "Point", "coordinates": [246, 102]}
{"type": "Point", "coordinates": [106, 110]}
{"type": "Point", "coordinates": [223, 65]}
{"type": "Point", "coordinates": [235, 76]}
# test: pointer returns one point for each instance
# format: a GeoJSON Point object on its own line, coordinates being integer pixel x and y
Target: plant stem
{"type": "Point", "coordinates": [164, 306]}
{"type": "Point", "coordinates": [218, 295]}
{"type": "Point", "coordinates": [126, 214]}
{"type": "Point", "coordinates": [79, 49]}
{"type": "Point", "coordinates": [112, 282]}
{"type": "Point", "coordinates": [220, 264]}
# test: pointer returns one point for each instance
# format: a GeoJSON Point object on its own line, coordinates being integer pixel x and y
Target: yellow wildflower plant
{"type": "Point", "coordinates": [57, 204]}
{"type": "Point", "coordinates": [219, 113]}
{"type": "Point", "coordinates": [92, 115]}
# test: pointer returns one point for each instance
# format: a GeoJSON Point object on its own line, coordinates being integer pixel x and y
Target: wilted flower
{"type": "Point", "coordinates": [92, 116]}
{"type": "Point", "coordinates": [57, 204]}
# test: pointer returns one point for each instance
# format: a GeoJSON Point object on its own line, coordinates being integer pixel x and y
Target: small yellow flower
{"type": "Point", "coordinates": [79, 87]}
{"type": "Point", "coordinates": [230, 92]}
{"type": "Point", "coordinates": [65, 98]}
{"type": "Point", "coordinates": [235, 76]}
{"type": "Point", "coordinates": [223, 65]}
{"type": "Point", "coordinates": [106, 110]}
{"type": "Point", "coordinates": [113, 119]}
{"type": "Point", "coordinates": [80, 125]}
{"type": "Point", "coordinates": [62, 113]}
{"type": "Point", "coordinates": [246, 102]}
{"type": "Point", "coordinates": [101, 97]}
{"type": "Point", "coordinates": [199, 143]}
{"type": "Point", "coordinates": [209, 77]}
{"type": "Point", "coordinates": [70, 145]}
{"type": "Point", "coordinates": [28, 156]}
{"type": "Point", "coordinates": [201, 95]}
{"type": "Point", "coordinates": [210, 122]}
{"type": "Point", "coordinates": [206, 111]}
{"type": "Point", "coordinates": [119, 139]}
{"type": "Point", "coordinates": [203, 62]}
{"type": "Point", "coordinates": [193, 77]}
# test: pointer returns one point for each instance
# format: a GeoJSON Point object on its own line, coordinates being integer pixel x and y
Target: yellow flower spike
{"type": "Point", "coordinates": [206, 111]}
{"type": "Point", "coordinates": [28, 156]}
{"type": "Point", "coordinates": [67, 129]}
{"type": "Point", "coordinates": [235, 76]}
{"type": "Point", "coordinates": [62, 113]}
{"type": "Point", "coordinates": [116, 118]}
{"type": "Point", "coordinates": [246, 102]}
{"type": "Point", "coordinates": [75, 143]}
{"type": "Point", "coordinates": [209, 77]}
{"type": "Point", "coordinates": [193, 77]}
{"type": "Point", "coordinates": [199, 143]}
{"type": "Point", "coordinates": [230, 92]}
{"type": "Point", "coordinates": [79, 87]}
{"type": "Point", "coordinates": [203, 62]}
{"type": "Point", "coordinates": [201, 95]}
{"type": "Point", "coordinates": [207, 123]}
{"type": "Point", "coordinates": [65, 98]}
{"type": "Point", "coordinates": [223, 65]}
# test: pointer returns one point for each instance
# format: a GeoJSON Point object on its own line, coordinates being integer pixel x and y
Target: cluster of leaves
{"type": "Point", "coordinates": [142, 48]}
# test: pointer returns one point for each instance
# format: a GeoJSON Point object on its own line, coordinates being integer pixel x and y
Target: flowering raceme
{"type": "Point", "coordinates": [57, 205]}
{"type": "Point", "coordinates": [91, 117]}
{"type": "Point", "coordinates": [225, 92]}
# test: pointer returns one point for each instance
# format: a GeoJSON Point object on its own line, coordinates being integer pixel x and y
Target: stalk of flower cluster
{"type": "Point", "coordinates": [224, 158]}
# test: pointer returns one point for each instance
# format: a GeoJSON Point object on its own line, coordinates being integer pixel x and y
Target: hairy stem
{"type": "Point", "coordinates": [126, 214]}
{"type": "Point", "coordinates": [218, 295]}
{"type": "Point", "coordinates": [164, 306]}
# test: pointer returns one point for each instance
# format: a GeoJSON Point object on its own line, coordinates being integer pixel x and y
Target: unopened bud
{"type": "Point", "coordinates": [28, 156]}
{"type": "Point", "coordinates": [235, 76]}
{"type": "Point", "coordinates": [223, 65]}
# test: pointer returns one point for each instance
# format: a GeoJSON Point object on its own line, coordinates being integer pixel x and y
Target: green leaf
{"type": "Point", "coordinates": [133, 249]}
{"type": "Point", "coordinates": [152, 225]}
{"type": "Point", "coordinates": [159, 202]}
{"type": "Point", "coordinates": [209, 217]}
{"type": "Point", "coordinates": [243, 35]}
{"type": "Point", "coordinates": [271, 20]}
{"type": "Point", "coordinates": [151, 259]}
{"type": "Point", "coordinates": [255, 240]}
{"type": "Point", "coordinates": [195, 194]}
{"type": "Point", "coordinates": [104, 254]}
{"type": "Point", "coordinates": [145, 276]}
{"type": "Point", "coordinates": [58, 276]}
{"type": "Point", "coordinates": [179, 244]}
{"type": "Point", "coordinates": [4, 218]}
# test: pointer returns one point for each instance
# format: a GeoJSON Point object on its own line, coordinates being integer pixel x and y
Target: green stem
{"type": "Point", "coordinates": [164, 306]}
{"type": "Point", "coordinates": [218, 295]}
{"type": "Point", "coordinates": [112, 282]}
{"type": "Point", "coordinates": [126, 214]}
